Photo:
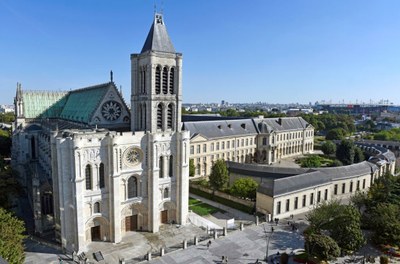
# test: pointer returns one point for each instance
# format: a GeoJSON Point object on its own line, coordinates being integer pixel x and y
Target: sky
{"type": "Point", "coordinates": [238, 51]}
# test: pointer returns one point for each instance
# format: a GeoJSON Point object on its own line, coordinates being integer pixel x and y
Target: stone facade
{"type": "Point", "coordinates": [95, 170]}
{"type": "Point", "coordinates": [258, 140]}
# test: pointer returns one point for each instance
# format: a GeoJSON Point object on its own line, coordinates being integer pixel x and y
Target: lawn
{"type": "Point", "coordinates": [201, 208]}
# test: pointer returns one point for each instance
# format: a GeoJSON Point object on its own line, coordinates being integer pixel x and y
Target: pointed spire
{"type": "Point", "coordinates": [158, 39]}
{"type": "Point", "coordinates": [19, 92]}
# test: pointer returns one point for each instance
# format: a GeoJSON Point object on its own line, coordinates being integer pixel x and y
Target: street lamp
{"type": "Point", "coordinates": [267, 240]}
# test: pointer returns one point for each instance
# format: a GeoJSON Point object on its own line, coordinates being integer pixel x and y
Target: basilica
{"type": "Point", "coordinates": [94, 169]}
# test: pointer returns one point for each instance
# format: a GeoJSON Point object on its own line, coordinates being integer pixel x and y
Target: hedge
{"type": "Point", "coordinates": [209, 196]}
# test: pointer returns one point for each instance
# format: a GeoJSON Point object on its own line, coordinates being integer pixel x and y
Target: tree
{"type": "Point", "coordinates": [345, 152]}
{"type": "Point", "coordinates": [219, 175]}
{"type": "Point", "coordinates": [311, 161]}
{"type": "Point", "coordinates": [336, 163]}
{"type": "Point", "coordinates": [11, 238]}
{"type": "Point", "coordinates": [336, 134]}
{"type": "Point", "coordinates": [328, 147]}
{"type": "Point", "coordinates": [244, 187]}
{"type": "Point", "coordinates": [192, 168]}
{"type": "Point", "coordinates": [341, 222]}
{"type": "Point", "coordinates": [5, 143]}
{"type": "Point", "coordinates": [346, 228]}
{"type": "Point", "coordinates": [358, 155]}
{"type": "Point", "coordinates": [385, 221]}
{"type": "Point", "coordinates": [321, 246]}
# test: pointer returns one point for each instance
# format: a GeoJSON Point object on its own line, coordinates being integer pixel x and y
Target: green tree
{"type": "Point", "coordinates": [219, 175]}
{"type": "Point", "coordinates": [336, 163]}
{"type": "Point", "coordinates": [385, 221]}
{"type": "Point", "coordinates": [5, 143]}
{"type": "Point", "coordinates": [358, 155]}
{"type": "Point", "coordinates": [9, 185]}
{"type": "Point", "coordinates": [345, 152]}
{"type": "Point", "coordinates": [336, 134]}
{"type": "Point", "coordinates": [192, 168]}
{"type": "Point", "coordinates": [341, 222]}
{"type": "Point", "coordinates": [11, 238]}
{"type": "Point", "coordinates": [245, 188]}
{"type": "Point", "coordinates": [311, 161]}
{"type": "Point", "coordinates": [328, 147]}
{"type": "Point", "coordinates": [321, 246]}
{"type": "Point", "coordinates": [346, 228]}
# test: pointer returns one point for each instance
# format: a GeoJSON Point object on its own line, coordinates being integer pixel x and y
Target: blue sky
{"type": "Point", "coordinates": [238, 51]}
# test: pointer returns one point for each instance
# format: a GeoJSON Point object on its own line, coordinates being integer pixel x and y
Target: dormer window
{"type": "Point", "coordinates": [243, 126]}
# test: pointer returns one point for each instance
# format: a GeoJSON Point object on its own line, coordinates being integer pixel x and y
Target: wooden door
{"type": "Point", "coordinates": [164, 217]}
{"type": "Point", "coordinates": [96, 233]}
{"type": "Point", "coordinates": [131, 223]}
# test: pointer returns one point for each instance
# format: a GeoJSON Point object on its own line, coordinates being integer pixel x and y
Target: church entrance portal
{"type": "Point", "coordinates": [131, 223]}
{"type": "Point", "coordinates": [164, 217]}
{"type": "Point", "coordinates": [96, 233]}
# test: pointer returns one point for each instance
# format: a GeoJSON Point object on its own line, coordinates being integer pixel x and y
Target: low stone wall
{"type": "Point", "coordinates": [201, 221]}
{"type": "Point", "coordinates": [250, 204]}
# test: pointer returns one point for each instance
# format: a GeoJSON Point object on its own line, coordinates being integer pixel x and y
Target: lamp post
{"type": "Point", "coordinates": [267, 240]}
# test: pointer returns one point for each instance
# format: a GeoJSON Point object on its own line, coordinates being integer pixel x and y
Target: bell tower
{"type": "Point", "coordinates": [156, 96]}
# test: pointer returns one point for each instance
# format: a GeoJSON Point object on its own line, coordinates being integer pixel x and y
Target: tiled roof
{"type": "Point", "coordinates": [316, 177]}
{"type": "Point", "coordinates": [266, 125]}
{"type": "Point", "coordinates": [222, 128]}
{"type": "Point", "coordinates": [158, 39]}
{"type": "Point", "coordinates": [82, 103]}
{"type": "Point", "coordinates": [43, 104]}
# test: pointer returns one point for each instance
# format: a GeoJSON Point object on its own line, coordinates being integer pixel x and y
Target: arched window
{"type": "Point", "coordinates": [47, 203]}
{"type": "Point", "coordinates": [171, 80]}
{"type": "Point", "coordinates": [144, 115]}
{"type": "Point", "coordinates": [264, 141]}
{"type": "Point", "coordinates": [171, 166]}
{"type": "Point", "coordinates": [96, 208]}
{"type": "Point", "coordinates": [101, 176]}
{"type": "Point", "coordinates": [169, 117]}
{"type": "Point", "coordinates": [88, 175]}
{"type": "Point", "coordinates": [158, 80]}
{"type": "Point", "coordinates": [166, 193]}
{"type": "Point", "coordinates": [161, 167]}
{"type": "Point", "coordinates": [144, 80]}
{"type": "Point", "coordinates": [132, 187]}
{"type": "Point", "coordinates": [165, 80]}
{"type": "Point", "coordinates": [159, 116]}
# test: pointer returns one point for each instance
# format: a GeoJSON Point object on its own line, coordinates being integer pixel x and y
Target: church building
{"type": "Point", "coordinates": [94, 169]}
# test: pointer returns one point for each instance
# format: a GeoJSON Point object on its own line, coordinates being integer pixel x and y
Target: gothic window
{"type": "Point", "coordinates": [142, 116]}
{"type": "Point", "coordinates": [169, 117]}
{"type": "Point", "coordinates": [158, 80]}
{"type": "Point", "coordinates": [132, 187]}
{"type": "Point", "coordinates": [88, 177]}
{"type": "Point", "coordinates": [101, 176]}
{"type": "Point", "coordinates": [144, 80]}
{"type": "Point", "coordinates": [161, 167]}
{"type": "Point", "coordinates": [171, 80]}
{"type": "Point", "coordinates": [96, 208]}
{"type": "Point", "coordinates": [165, 80]}
{"type": "Point", "coordinates": [47, 203]}
{"type": "Point", "coordinates": [159, 116]}
{"type": "Point", "coordinates": [166, 193]}
{"type": "Point", "coordinates": [171, 166]}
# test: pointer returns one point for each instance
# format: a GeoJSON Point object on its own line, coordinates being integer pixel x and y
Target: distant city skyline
{"type": "Point", "coordinates": [237, 51]}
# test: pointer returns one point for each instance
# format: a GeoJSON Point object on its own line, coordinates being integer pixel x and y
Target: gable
{"type": "Point", "coordinates": [198, 138]}
{"type": "Point", "coordinates": [111, 110]}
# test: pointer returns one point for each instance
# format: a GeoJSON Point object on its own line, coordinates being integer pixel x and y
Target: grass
{"type": "Point", "coordinates": [221, 200]}
{"type": "Point", "coordinates": [201, 208]}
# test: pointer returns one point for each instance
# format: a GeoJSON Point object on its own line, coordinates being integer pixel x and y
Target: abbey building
{"type": "Point", "coordinates": [95, 169]}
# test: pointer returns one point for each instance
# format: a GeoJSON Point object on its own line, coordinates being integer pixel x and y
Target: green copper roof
{"type": "Point", "coordinates": [43, 104]}
{"type": "Point", "coordinates": [82, 103]}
